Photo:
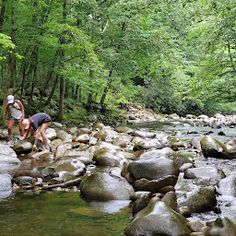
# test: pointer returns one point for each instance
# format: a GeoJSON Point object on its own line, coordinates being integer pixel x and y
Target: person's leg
{"type": "Point", "coordinates": [42, 131]}
{"type": "Point", "coordinates": [21, 129]}
{"type": "Point", "coordinates": [10, 127]}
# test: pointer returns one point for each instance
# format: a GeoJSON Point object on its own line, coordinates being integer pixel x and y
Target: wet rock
{"type": "Point", "coordinates": [25, 180]}
{"type": "Point", "coordinates": [185, 211]}
{"type": "Point", "coordinates": [140, 203]}
{"type": "Point", "coordinates": [103, 187]}
{"type": "Point", "coordinates": [222, 227]}
{"type": "Point", "coordinates": [154, 185]}
{"type": "Point", "coordinates": [201, 199]}
{"type": "Point", "coordinates": [139, 194]}
{"type": "Point", "coordinates": [23, 147]}
{"type": "Point", "coordinates": [153, 169]}
{"type": "Point", "coordinates": [227, 186]}
{"type": "Point", "coordinates": [204, 173]}
{"type": "Point", "coordinates": [214, 148]}
{"type": "Point", "coordinates": [9, 162]}
{"type": "Point", "coordinates": [196, 225]}
{"type": "Point", "coordinates": [158, 219]}
{"type": "Point", "coordinates": [49, 173]}
{"type": "Point", "coordinates": [5, 186]}
{"type": "Point", "coordinates": [170, 200]}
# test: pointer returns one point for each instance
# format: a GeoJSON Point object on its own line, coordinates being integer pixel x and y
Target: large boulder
{"type": "Point", "coordinates": [102, 186]}
{"type": "Point", "coordinates": [214, 148]}
{"type": "Point", "coordinates": [153, 169]}
{"type": "Point", "coordinates": [5, 185]}
{"type": "Point", "coordinates": [158, 219]}
{"type": "Point", "coordinates": [8, 160]}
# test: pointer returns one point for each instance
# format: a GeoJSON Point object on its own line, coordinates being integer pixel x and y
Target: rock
{"type": "Point", "coordinates": [83, 138]}
{"type": "Point", "coordinates": [25, 180]}
{"type": "Point", "coordinates": [156, 153]}
{"type": "Point", "coordinates": [201, 199]}
{"type": "Point", "coordinates": [3, 134]}
{"type": "Point", "coordinates": [107, 159]}
{"type": "Point", "coordinates": [138, 194]}
{"type": "Point", "coordinates": [143, 134]}
{"type": "Point", "coordinates": [64, 136]}
{"type": "Point", "coordinates": [185, 211]}
{"type": "Point", "coordinates": [158, 219]}
{"type": "Point", "coordinates": [51, 133]}
{"type": "Point", "coordinates": [140, 203]}
{"type": "Point", "coordinates": [154, 185]}
{"type": "Point", "coordinates": [5, 186]}
{"type": "Point", "coordinates": [153, 169]}
{"type": "Point", "coordinates": [9, 162]}
{"type": "Point", "coordinates": [104, 187]}
{"type": "Point", "coordinates": [23, 147]}
{"type": "Point", "coordinates": [62, 149]}
{"type": "Point", "coordinates": [181, 157]}
{"type": "Point", "coordinates": [227, 186]}
{"type": "Point", "coordinates": [123, 129]}
{"type": "Point", "coordinates": [170, 200]}
{"type": "Point", "coordinates": [213, 148]}
{"type": "Point", "coordinates": [49, 173]}
{"type": "Point", "coordinates": [222, 227]}
{"type": "Point", "coordinates": [196, 225]}
{"type": "Point", "coordinates": [204, 173]}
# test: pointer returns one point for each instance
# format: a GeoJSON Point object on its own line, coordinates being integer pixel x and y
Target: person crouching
{"type": "Point", "coordinates": [37, 125]}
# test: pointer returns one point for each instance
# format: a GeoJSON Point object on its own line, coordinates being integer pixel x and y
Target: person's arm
{"type": "Point", "coordinates": [36, 138]}
{"type": "Point", "coordinates": [22, 109]}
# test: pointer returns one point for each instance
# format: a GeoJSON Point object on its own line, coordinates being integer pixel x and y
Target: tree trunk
{"type": "Point", "coordinates": [62, 80]}
{"type": "Point", "coordinates": [2, 13]}
{"type": "Point", "coordinates": [105, 91]}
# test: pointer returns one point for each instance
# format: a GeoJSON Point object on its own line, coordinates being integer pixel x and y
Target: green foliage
{"type": "Point", "coordinates": [172, 56]}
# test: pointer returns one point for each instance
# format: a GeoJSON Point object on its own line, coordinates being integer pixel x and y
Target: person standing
{"type": "Point", "coordinates": [37, 125]}
{"type": "Point", "coordinates": [15, 113]}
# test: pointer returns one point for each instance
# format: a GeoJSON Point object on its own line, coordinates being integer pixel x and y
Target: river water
{"type": "Point", "coordinates": [66, 213]}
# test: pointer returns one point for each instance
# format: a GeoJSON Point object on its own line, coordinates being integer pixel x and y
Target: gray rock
{"type": "Point", "coordinates": [5, 186]}
{"type": "Point", "coordinates": [25, 180]}
{"type": "Point", "coordinates": [9, 162]}
{"type": "Point", "coordinates": [227, 186]}
{"type": "Point", "coordinates": [154, 185]}
{"type": "Point", "coordinates": [103, 187]}
{"type": "Point", "coordinates": [23, 147]}
{"type": "Point", "coordinates": [158, 219]}
{"type": "Point", "coordinates": [153, 169]}
{"type": "Point", "coordinates": [201, 199]}
{"type": "Point", "coordinates": [204, 173]}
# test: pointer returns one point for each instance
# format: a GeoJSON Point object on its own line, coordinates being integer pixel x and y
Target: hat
{"type": "Point", "coordinates": [26, 123]}
{"type": "Point", "coordinates": [10, 99]}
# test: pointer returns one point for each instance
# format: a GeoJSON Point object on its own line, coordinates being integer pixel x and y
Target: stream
{"type": "Point", "coordinates": [66, 213]}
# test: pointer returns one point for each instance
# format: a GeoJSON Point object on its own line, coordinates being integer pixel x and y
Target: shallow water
{"type": "Point", "coordinates": [58, 213]}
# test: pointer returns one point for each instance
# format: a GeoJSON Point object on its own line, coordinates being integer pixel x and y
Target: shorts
{"type": "Point", "coordinates": [14, 119]}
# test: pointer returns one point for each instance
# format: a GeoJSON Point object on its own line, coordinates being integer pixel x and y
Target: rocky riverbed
{"type": "Point", "coordinates": [177, 174]}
